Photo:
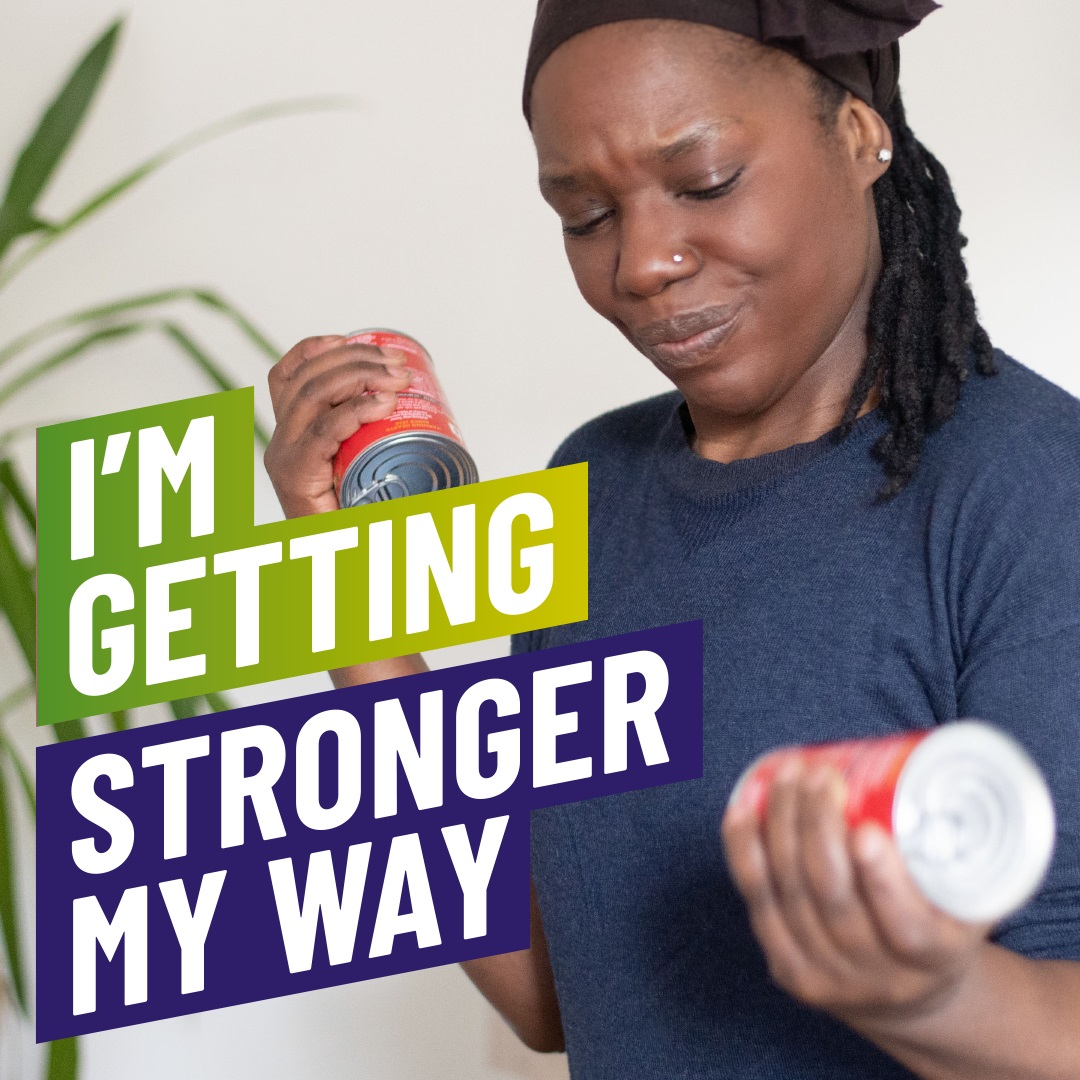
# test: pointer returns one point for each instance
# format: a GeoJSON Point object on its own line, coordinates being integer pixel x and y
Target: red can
{"type": "Point", "coordinates": [969, 810]}
{"type": "Point", "coordinates": [416, 449]}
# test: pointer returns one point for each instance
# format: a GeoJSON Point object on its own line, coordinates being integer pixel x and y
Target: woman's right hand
{"type": "Point", "coordinates": [323, 390]}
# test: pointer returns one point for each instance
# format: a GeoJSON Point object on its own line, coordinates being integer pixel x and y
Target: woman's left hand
{"type": "Point", "coordinates": [843, 925]}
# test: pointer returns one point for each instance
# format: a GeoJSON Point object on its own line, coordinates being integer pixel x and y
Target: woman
{"type": "Point", "coordinates": [873, 512]}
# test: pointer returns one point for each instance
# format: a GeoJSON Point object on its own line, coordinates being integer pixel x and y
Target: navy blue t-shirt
{"type": "Point", "coordinates": [825, 617]}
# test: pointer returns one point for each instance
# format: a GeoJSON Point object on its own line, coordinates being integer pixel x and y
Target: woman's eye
{"type": "Point", "coordinates": [587, 227]}
{"type": "Point", "coordinates": [714, 192]}
{"type": "Point", "coordinates": [698, 195]}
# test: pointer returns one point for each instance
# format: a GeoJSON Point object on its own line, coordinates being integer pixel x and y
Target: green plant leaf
{"type": "Point", "coordinates": [9, 914]}
{"type": "Point", "coordinates": [68, 352]}
{"type": "Point", "coordinates": [63, 1062]}
{"type": "Point", "coordinates": [9, 482]}
{"type": "Point", "coordinates": [67, 730]}
{"type": "Point", "coordinates": [119, 719]}
{"type": "Point", "coordinates": [210, 367]}
{"type": "Point", "coordinates": [218, 303]}
{"type": "Point", "coordinates": [185, 708]}
{"type": "Point", "coordinates": [163, 157]}
{"type": "Point", "coordinates": [11, 701]}
{"type": "Point", "coordinates": [176, 333]}
{"type": "Point", "coordinates": [25, 783]}
{"type": "Point", "coordinates": [206, 297]}
{"type": "Point", "coordinates": [17, 600]}
{"type": "Point", "coordinates": [14, 434]}
{"type": "Point", "coordinates": [15, 699]}
{"type": "Point", "coordinates": [47, 145]}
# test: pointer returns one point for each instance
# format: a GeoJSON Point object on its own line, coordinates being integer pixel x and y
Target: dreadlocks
{"type": "Point", "coordinates": [923, 330]}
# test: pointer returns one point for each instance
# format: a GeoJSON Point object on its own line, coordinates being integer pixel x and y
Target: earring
{"type": "Point", "coordinates": [884, 154]}
{"type": "Point", "coordinates": [677, 258]}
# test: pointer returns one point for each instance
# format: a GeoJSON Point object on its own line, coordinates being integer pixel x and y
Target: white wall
{"type": "Point", "coordinates": [418, 209]}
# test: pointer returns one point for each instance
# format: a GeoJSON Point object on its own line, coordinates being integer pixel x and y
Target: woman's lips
{"type": "Point", "coordinates": [682, 352]}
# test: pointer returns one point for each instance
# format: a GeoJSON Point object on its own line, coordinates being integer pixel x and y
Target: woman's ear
{"type": "Point", "coordinates": [866, 137]}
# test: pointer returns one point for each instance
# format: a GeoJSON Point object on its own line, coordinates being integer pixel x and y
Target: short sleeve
{"type": "Point", "coordinates": [1032, 689]}
{"type": "Point", "coordinates": [1018, 627]}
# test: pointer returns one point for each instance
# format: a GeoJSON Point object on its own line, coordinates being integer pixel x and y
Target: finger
{"type": "Point", "coordinates": [334, 351]}
{"type": "Point", "coordinates": [323, 438]}
{"type": "Point", "coordinates": [911, 926]}
{"type": "Point", "coordinates": [340, 356]}
{"type": "Point", "coordinates": [745, 858]}
{"type": "Point", "coordinates": [828, 871]}
{"type": "Point", "coordinates": [298, 367]}
{"type": "Point", "coordinates": [747, 862]}
{"type": "Point", "coordinates": [784, 840]}
{"type": "Point", "coordinates": [302, 471]}
{"type": "Point", "coordinates": [303, 352]}
{"type": "Point", "coordinates": [300, 353]}
{"type": "Point", "coordinates": [334, 386]}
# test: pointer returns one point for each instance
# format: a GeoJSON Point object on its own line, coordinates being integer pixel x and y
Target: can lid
{"type": "Point", "coordinates": [409, 463]}
{"type": "Point", "coordinates": [974, 820]}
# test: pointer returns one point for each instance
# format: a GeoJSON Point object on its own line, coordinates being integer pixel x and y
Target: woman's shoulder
{"type": "Point", "coordinates": [1017, 414]}
{"type": "Point", "coordinates": [1002, 494]}
{"type": "Point", "coordinates": [618, 433]}
{"type": "Point", "coordinates": [1015, 434]}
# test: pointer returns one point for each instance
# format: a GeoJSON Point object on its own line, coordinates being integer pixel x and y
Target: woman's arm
{"type": "Point", "coordinates": [519, 984]}
{"type": "Point", "coordinates": [521, 987]}
{"type": "Point", "coordinates": [1010, 1017]}
{"type": "Point", "coordinates": [377, 670]}
{"type": "Point", "coordinates": [322, 390]}
{"type": "Point", "coordinates": [845, 928]}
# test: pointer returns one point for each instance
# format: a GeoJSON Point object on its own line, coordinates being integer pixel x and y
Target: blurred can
{"type": "Point", "coordinates": [969, 810]}
{"type": "Point", "coordinates": [416, 449]}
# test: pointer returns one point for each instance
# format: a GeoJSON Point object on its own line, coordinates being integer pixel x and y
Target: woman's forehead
{"type": "Point", "coordinates": [645, 58]}
{"type": "Point", "coordinates": [671, 90]}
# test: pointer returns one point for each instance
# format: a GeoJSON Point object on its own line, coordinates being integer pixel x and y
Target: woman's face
{"type": "Point", "coordinates": [660, 139]}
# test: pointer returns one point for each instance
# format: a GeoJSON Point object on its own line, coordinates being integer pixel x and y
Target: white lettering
{"type": "Point", "coordinates": [157, 458]}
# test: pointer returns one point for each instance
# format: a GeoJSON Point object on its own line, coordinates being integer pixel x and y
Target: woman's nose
{"type": "Point", "coordinates": [651, 257]}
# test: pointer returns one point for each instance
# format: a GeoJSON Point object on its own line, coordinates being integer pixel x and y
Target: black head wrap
{"type": "Point", "coordinates": [854, 42]}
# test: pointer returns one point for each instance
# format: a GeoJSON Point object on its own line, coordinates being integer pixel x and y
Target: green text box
{"type": "Point", "coordinates": [103, 637]}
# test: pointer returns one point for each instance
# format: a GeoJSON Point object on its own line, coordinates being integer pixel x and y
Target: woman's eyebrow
{"type": "Point", "coordinates": [550, 183]}
{"type": "Point", "coordinates": [692, 139]}
{"type": "Point", "coordinates": [569, 183]}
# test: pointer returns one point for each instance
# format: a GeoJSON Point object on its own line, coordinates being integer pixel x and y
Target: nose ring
{"type": "Point", "coordinates": [677, 258]}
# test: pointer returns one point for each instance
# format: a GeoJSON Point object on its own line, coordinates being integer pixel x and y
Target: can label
{"type": "Point", "coordinates": [378, 460]}
{"type": "Point", "coordinates": [970, 812]}
{"type": "Point", "coordinates": [870, 767]}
